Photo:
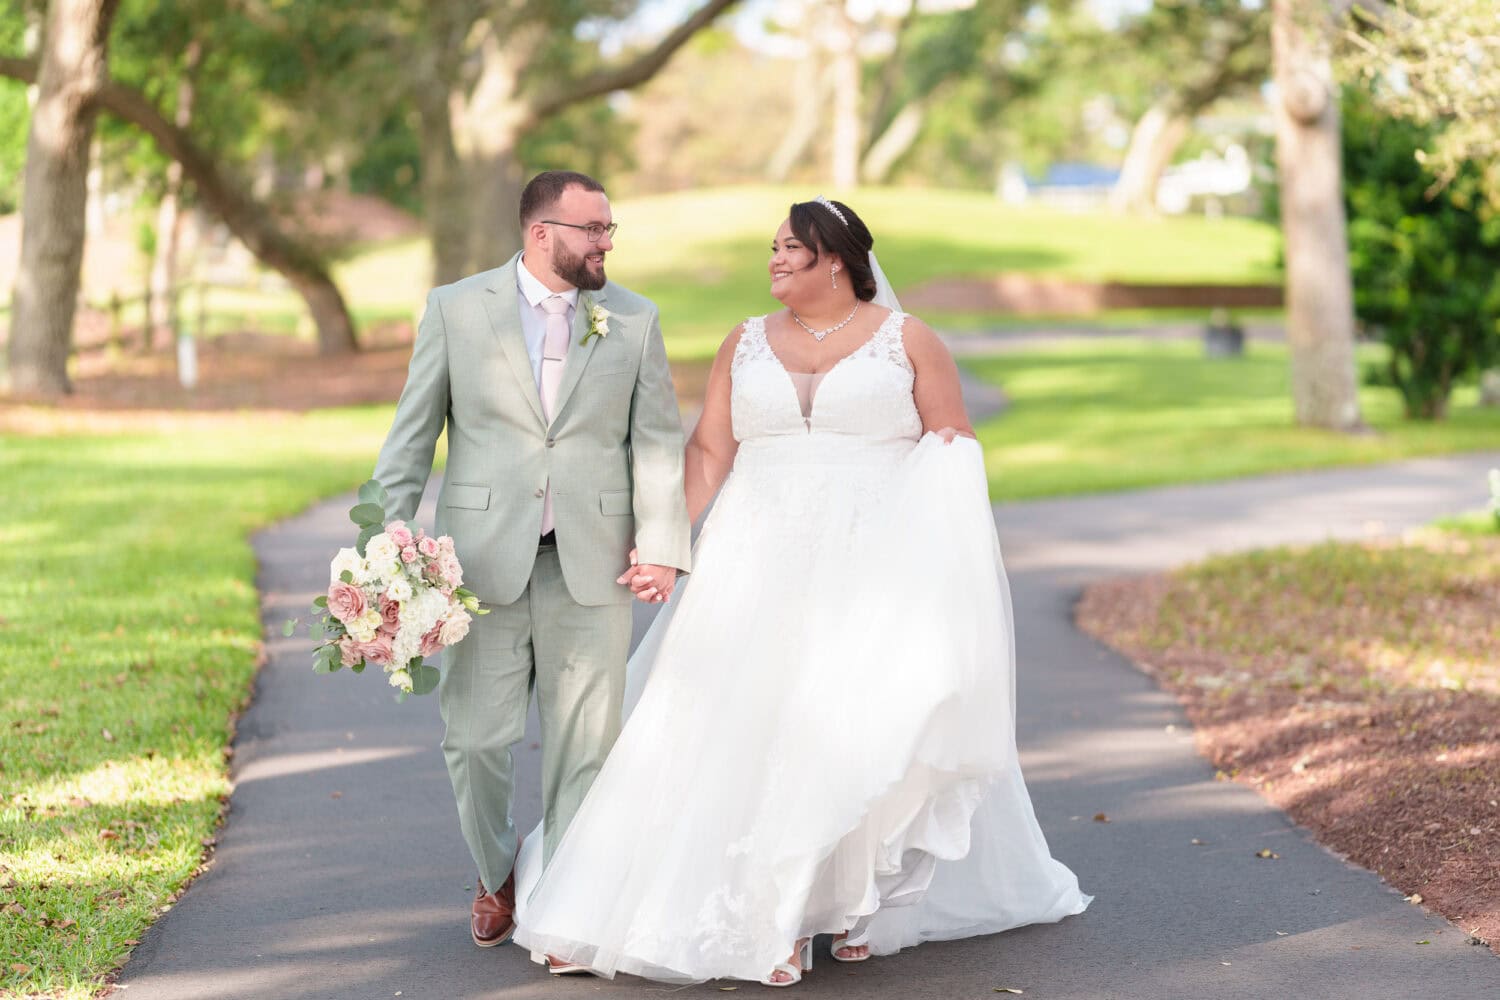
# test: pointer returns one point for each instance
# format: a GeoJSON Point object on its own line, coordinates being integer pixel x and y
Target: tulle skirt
{"type": "Point", "coordinates": [820, 733]}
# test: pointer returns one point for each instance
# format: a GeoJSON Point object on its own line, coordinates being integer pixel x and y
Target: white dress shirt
{"type": "Point", "coordinates": [534, 318]}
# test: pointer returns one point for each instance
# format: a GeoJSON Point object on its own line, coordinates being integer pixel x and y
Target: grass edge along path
{"type": "Point", "coordinates": [1354, 685]}
{"type": "Point", "coordinates": [129, 641]}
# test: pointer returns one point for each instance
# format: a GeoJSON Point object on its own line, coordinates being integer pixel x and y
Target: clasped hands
{"type": "Point", "coordinates": [647, 581]}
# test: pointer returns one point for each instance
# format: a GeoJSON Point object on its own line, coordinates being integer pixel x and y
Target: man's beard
{"type": "Point", "coordinates": [574, 269]}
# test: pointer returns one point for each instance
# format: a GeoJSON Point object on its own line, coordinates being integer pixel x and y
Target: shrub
{"type": "Point", "coordinates": [1425, 259]}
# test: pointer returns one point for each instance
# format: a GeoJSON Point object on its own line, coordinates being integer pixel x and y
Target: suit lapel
{"type": "Point", "coordinates": [578, 352]}
{"type": "Point", "coordinates": [502, 306]}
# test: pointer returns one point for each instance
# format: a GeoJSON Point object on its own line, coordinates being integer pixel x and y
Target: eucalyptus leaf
{"type": "Point", "coordinates": [367, 513]}
{"type": "Point", "coordinates": [424, 679]}
{"type": "Point", "coordinates": [373, 492]}
{"type": "Point", "coordinates": [359, 667]}
{"type": "Point", "coordinates": [400, 697]}
{"type": "Point", "coordinates": [322, 600]}
{"type": "Point", "coordinates": [322, 666]}
{"type": "Point", "coordinates": [347, 576]}
{"type": "Point", "coordinates": [368, 533]}
{"type": "Point", "coordinates": [289, 627]}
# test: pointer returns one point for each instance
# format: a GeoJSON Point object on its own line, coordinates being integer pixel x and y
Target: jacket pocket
{"type": "Point", "coordinates": [467, 495]}
{"type": "Point", "coordinates": [614, 503]}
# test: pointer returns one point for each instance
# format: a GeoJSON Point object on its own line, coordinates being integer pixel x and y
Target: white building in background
{"type": "Point", "coordinates": [1085, 187]}
{"type": "Point", "coordinates": [1209, 177]}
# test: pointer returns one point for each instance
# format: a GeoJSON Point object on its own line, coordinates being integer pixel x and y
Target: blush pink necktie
{"type": "Point", "coordinates": [554, 354]}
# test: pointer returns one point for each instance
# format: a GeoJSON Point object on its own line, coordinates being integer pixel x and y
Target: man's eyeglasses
{"type": "Point", "coordinates": [594, 231]}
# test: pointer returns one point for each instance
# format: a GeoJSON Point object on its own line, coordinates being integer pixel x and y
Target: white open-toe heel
{"type": "Point", "coordinates": [804, 950]}
{"type": "Point", "coordinates": [849, 940]}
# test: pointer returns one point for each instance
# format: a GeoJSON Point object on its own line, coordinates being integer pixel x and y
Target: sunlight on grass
{"type": "Point", "coordinates": [1126, 414]}
{"type": "Point", "coordinates": [129, 637]}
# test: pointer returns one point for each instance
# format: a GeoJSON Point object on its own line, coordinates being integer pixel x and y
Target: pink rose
{"type": "Point", "coordinates": [451, 570]}
{"type": "Point", "coordinates": [377, 650]}
{"type": "Point", "coordinates": [349, 651]}
{"type": "Point", "coordinates": [390, 615]}
{"type": "Point", "coordinates": [432, 641]}
{"type": "Point", "coordinates": [346, 602]}
{"type": "Point", "coordinates": [409, 554]}
{"type": "Point", "coordinates": [399, 533]}
{"type": "Point", "coordinates": [445, 543]}
{"type": "Point", "coordinates": [428, 547]}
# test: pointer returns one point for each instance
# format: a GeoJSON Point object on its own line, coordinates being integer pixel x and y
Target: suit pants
{"type": "Point", "coordinates": [573, 656]}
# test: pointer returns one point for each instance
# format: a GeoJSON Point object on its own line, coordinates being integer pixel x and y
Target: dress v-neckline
{"type": "Point", "coordinates": [791, 383]}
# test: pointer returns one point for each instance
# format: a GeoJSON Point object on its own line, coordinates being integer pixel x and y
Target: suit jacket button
{"type": "Point", "coordinates": [538, 494]}
{"type": "Point", "coordinates": [551, 442]}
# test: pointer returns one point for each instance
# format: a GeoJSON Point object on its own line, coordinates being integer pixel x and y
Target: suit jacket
{"type": "Point", "coordinates": [613, 450]}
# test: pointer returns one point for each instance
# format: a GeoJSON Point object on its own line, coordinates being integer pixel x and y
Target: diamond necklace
{"type": "Point", "coordinates": [818, 335]}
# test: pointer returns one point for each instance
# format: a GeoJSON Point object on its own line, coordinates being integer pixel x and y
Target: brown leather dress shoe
{"type": "Point", "coordinates": [492, 920]}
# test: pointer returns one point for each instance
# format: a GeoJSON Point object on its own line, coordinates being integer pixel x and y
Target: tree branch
{"type": "Point", "coordinates": [251, 221]}
{"type": "Point", "coordinates": [632, 74]}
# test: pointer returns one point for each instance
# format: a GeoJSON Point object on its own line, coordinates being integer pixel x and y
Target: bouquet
{"type": "Point", "coordinates": [393, 599]}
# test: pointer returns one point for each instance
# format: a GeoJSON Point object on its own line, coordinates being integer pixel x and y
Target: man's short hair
{"type": "Point", "coordinates": [542, 192]}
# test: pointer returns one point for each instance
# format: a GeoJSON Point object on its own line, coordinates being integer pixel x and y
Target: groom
{"type": "Point", "coordinates": [564, 461]}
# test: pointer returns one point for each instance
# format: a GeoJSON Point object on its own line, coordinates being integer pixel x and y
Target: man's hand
{"type": "Point", "coordinates": [649, 582]}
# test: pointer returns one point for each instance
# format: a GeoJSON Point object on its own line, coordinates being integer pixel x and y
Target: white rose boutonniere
{"type": "Point", "coordinates": [599, 318]}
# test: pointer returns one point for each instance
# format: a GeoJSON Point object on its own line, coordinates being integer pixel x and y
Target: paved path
{"type": "Point", "coordinates": [341, 873]}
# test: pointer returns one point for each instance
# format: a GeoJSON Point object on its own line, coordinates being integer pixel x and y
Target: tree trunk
{"type": "Point", "coordinates": [1153, 142]}
{"type": "Point", "coordinates": [495, 233]}
{"type": "Point", "coordinates": [74, 66]}
{"type": "Point", "coordinates": [894, 142]}
{"type": "Point", "coordinates": [161, 319]}
{"type": "Point", "coordinates": [1319, 294]}
{"type": "Point", "coordinates": [486, 125]}
{"type": "Point", "coordinates": [810, 91]}
{"type": "Point", "coordinates": [445, 197]}
{"type": "Point", "coordinates": [846, 123]}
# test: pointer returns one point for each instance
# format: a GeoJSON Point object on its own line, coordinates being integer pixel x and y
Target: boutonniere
{"type": "Point", "coordinates": [599, 318]}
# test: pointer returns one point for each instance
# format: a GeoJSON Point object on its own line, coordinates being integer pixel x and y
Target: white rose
{"type": "Point", "coordinates": [381, 550]}
{"type": "Point", "coordinates": [399, 589]}
{"type": "Point", "coordinates": [363, 628]}
{"type": "Point", "coordinates": [455, 628]}
{"type": "Point", "coordinates": [346, 561]}
{"type": "Point", "coordinates": [401, 679]}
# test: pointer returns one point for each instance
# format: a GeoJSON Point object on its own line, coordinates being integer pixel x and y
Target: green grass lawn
{"type": "Point", "coordinates": [1114, 415]}
{"type": "Point", "coordinates": [129, 636]}
{"type": "Point", "coordinates": [701, 255]}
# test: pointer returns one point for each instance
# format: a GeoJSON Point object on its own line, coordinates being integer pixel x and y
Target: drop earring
{"type": "Point", "coordinates": [833, 272]}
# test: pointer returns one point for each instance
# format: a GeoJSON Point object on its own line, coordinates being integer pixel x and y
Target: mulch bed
{"type": "Point", "coordinates": [1357, 687]}
{"type": "Point", "coordinates": [237, 372]}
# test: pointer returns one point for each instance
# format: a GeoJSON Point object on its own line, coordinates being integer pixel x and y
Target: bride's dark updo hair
{"type": "Point", "coordinates": [848, 239]}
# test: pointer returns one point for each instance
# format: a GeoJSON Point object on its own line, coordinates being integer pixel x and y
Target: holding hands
{"type": "Point", "coordinates": [647, 581]}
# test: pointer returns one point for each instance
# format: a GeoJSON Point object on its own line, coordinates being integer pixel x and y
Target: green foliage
{"type": "Point", "coordinates": [1424, 260]}
{"type": "Point", "coordinates": [15, 116]}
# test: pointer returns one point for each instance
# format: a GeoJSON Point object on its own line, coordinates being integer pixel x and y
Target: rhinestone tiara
{"type": "Point", "coordinates": [832, 208]}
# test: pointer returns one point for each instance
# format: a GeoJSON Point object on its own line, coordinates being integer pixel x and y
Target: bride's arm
{"type": "Point", "coordinates": [938, 394]}
{"type": "Point", "coordinates": [710, 451]}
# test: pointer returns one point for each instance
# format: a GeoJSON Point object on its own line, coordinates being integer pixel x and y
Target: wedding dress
{"type": "Point", "coordinates": [820, 731]}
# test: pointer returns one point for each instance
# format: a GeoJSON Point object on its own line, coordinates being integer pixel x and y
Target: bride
{"type": "Point", "coordinates": [821, 721]}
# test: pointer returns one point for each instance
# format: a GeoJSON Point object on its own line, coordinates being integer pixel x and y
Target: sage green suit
{"type": "Point", "coordinates": [559, 622]}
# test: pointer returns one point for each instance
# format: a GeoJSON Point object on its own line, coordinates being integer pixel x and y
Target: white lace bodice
{"type": "Point", "coordinates": [867, 394]}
